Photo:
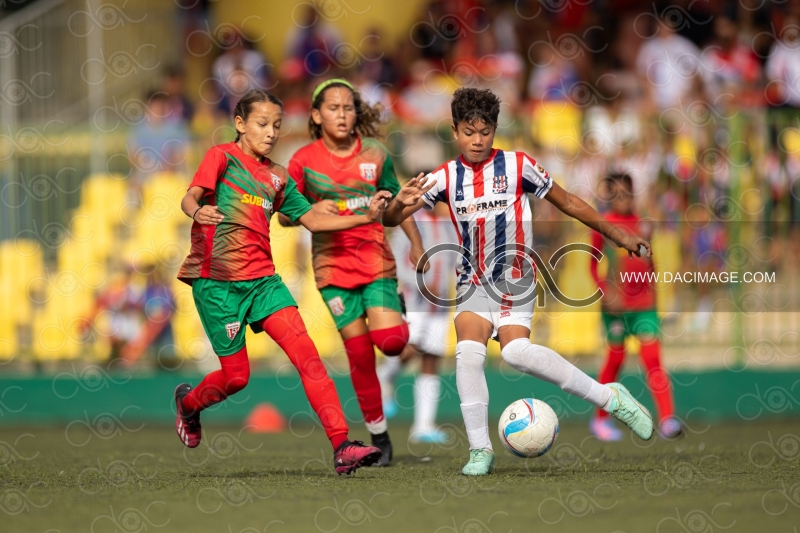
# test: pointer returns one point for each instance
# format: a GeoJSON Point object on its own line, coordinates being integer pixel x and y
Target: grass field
{"type": "Point", "coordinates": [721, 477]}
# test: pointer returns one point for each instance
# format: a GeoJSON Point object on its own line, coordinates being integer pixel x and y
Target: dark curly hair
{"type": "Point", "coordinates": [245, 104]}
{"type": "Point", "coordinates": [469, 105]}
{"type": "Point", "coordinates": [368, 118]}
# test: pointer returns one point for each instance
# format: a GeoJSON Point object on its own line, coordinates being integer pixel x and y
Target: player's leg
{"type": "Point", "coordinates": [387, 329]}
{"type": "Point", "coordinates": [389, 333]}
{"type": "Point", "coordinates": [544, 363]}
{"type": "Point", "coordinates": [428, 332]}
{"type": "Point", "coordinates": [347, 309]}
{"type": "Point", "coordinates": [427, 389]}
{"type": "Point", "coordinates": [274, 312]}
{"type": "Point", "coordinates": [646, 326]}
{"type": "Point", "coordinates": [222, 306]}
{"type": "Point", "coordinates": [388, 372]}
{"type": "Point", "coordinates": [601, 424]}
{"type": "Point", "coordinates": [473, 332]}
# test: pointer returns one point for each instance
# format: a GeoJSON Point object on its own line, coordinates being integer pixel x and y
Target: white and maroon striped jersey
{"type": "Point", "coordinates": [490, 210]}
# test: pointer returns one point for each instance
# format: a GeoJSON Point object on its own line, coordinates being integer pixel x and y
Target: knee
{"type": "Point", "coordinates": [512, 352]}
{"type": "Point", "coordinates": [237, 380]}
{"type": "Point", "coordinates": [390, 341]}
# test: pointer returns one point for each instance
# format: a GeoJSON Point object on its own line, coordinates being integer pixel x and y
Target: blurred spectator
{"type": "Point", "coordinates": [135, 318]}
{"type": "Point", "coordinates": [179, 108]}
{"type": "Point", "coordinates": [377, 75]}
{"type": "Point", "coordinates": [377, 64]}
{"type": "Point", "coordinates": [733, 67]}
{"type": "Point", "coordinates": [426, 36]}
{"type": "Point", "coordinates": [114, 314]}
{"type": "Point", "coordinates": [500, 71]}
{"type": "Point", "coordinates": [312, 43]}
{"type": "Point", "coordinates": [669, 67]}
{"type": "Point", "coordinates": [552, 77]}
{"type": "Point", "coordinates": [426, 100]}
{"type": "Point", "coordinates": [425, 104]}
{"type": "Point", "coordinates": [154, 306]}
{"type": "Point", "coordinates": [238, 70]}
{"type": "Point", "coordinates": [782, 68]}
{"type": "Point", "coordinates": [157, 144]}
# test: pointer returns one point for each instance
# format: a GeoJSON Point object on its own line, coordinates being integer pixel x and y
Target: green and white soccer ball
{"type": "Point", "coordinates": [528, 427]}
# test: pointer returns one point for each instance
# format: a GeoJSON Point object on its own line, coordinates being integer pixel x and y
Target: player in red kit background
{"type": "Point", "coordinates": [231, 200]}
{"type": "Point", "coordinates": [355, 270]}
{"type": "Point", "coordinates": [629, 308]}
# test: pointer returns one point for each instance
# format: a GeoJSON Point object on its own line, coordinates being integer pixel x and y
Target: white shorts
{"type": "Point", "coordinates": [486, 306]}
{"type": "Point", "coordinates": [429, 331]}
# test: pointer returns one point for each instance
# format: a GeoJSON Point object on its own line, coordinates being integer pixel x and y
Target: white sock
{"type": "Point", "coordinates": [377, 427]}
{"type": "Point", "coordinates": [426, 399]}
{"type": "Point", "coordinates": [545, 364]}
{"type": "Point", "coordinates": [473, 392]}
{"type": "Point", "coordinates": [387, 375]}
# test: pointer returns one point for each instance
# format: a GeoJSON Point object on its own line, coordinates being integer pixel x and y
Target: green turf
{"type": "Point", "coordinates": [724, 477]}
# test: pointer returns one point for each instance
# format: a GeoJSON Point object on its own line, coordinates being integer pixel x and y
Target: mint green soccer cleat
{"type": "Point", "coordinates": [633, 414]}
{"type": "Point", "coordinates": [481, 463]}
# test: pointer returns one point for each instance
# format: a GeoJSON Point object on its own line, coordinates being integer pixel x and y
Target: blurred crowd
{"type": "Point", "coordinates": [658, 88]}
{"type": "Point", "coordinates": [698, 101]}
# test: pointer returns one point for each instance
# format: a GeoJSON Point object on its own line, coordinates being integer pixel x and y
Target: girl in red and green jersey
{"type": "Point", "coordinates": [629, 309]}
{"type": "Point", "coordinates": [231, 199]}
{"type": "Point", "coordinates": [355, 270]}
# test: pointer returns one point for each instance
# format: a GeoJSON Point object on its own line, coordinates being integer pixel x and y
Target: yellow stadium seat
{"type": "Point", "coordinates": [55, 334]}
{"type": "Point", "coordinates": [167, 185]}
{"type": "Point", "coordinates": [557, 125]}
{"type": "Point", "coordinates": [93, 234]}
{"type": "Point", "coordinates": [9, 346]}
{"type": "Point", "coordinates": [576, 331]}
{"type": "Point", "coordinates": [666, 258]}
{"type": "Point", "coordinates": [104, 195]}
{"type": "Point", "coordinates": [21, 260]}
{"type": "Point", "coordinates": [190, 340]}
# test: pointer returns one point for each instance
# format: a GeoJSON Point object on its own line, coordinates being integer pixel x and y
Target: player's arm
{"type": "Point", "coordinates": [573, 206]}
{"type": "Point", "coordinates": [205, 179]}
{"type": "Point", "coordinates": [320, 223]}
{"type": "Point", "coordinates": [295, 206]}
{"type": "Point", "coordinates": [417, 253]}
{"type": "Point", "coordinates": [408, 200]}
{"type": "Point", "coordinates": [323, 207]}
{"type": "Point", "coordinates": [207, 214]}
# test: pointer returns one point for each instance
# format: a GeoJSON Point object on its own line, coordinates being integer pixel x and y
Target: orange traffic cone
{"type": "Point", "coordinates": [265, 418]}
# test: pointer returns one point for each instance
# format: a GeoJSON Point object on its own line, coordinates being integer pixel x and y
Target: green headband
{"type": "Point", "coordinates": [325, 84]}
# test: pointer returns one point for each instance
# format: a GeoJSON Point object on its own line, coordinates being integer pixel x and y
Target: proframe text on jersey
{"type": "Point", "coordinates": [482, 206]}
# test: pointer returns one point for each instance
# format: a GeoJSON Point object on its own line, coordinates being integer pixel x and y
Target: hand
{"type": "Point", "coordinates": [326, 207]}
{"type": "Point", "coordinates": [208, 215]}
{"type": "Point", "coordinates": [378, 205]}
{"type": "Point", "coordinates": [419, 259]}
{"type": "Point", "coordinates": [638, 246]}
{"type": "Point", "coordinates": [412, 191]}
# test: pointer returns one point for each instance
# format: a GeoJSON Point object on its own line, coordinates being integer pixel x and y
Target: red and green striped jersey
{"type": "Point", "coordinates": [361, 255]}
{"type": "Point", "coordinates": [247, 193]}
{"type": "Point", "coordinates": [637, 294]}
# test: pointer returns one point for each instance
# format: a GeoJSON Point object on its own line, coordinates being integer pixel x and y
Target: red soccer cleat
{"type": "Point", "coordinates": [186, 424]}
{"type": "Point", "coordinates": [354, 454]}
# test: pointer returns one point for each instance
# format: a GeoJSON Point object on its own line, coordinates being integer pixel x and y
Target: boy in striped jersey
{"type": "Point", "coordinates": [486, 189]}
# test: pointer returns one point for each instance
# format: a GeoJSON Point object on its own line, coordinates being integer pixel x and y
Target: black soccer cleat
{"type": "Point", "coordinates": [383, 443]}
{"type": "Point", "coordinates": [186, 424]}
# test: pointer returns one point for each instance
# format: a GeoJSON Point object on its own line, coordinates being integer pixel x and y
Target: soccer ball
{"type": "Point", "coordinates": [528, 428]}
